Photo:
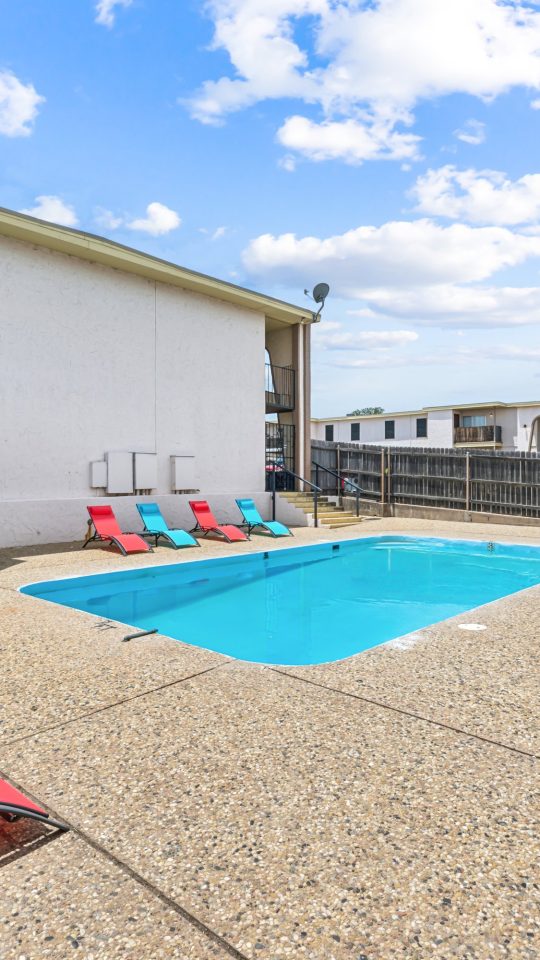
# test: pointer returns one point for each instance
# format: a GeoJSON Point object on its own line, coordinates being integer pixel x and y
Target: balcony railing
{"type": "Point", "coordinates": [280, 385]}
{"type": "Point", "coordinates": [487, 434]}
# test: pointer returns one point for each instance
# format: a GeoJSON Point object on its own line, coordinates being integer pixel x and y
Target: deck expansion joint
{"type": "Point", "coordinates": [138, 878]}
{"type": "Point", "coordinates": [111, 706]}
{"type": "Point", "coordinates": [407, 713]}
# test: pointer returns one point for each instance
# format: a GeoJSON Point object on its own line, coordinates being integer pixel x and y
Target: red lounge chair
{"type": "Point", "coordinates": [106, 528]}
{"type": "Point", "coordinates": [207, 522]}
{"type": "Point", "coordinates": [14, 804]}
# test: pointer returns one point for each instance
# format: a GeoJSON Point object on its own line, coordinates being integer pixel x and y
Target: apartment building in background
{"type": "Point", "coordinates": [493, 425]}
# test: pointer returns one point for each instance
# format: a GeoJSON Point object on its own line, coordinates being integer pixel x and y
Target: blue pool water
{"type": "Point", "coordinates": [305, 604]}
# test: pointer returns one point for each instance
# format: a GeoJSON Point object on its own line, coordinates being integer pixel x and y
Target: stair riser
{"type": "Point", "coordinates": [302, 500]}
{"type": "Point", "coordinates": [329, 515]}
{"type": "Point", "coordinates": [338, 526]}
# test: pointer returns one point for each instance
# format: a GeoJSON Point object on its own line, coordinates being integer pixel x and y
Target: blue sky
{"type": "Point", "coordinates": [389, 148]}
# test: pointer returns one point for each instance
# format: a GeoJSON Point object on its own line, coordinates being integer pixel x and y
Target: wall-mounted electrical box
{"type": "Point", "coordinates": [183, 474]}
{"type": "Point", "coordinates": [145, 471]}
{"type": "Point", "coordinates": [119, 471]}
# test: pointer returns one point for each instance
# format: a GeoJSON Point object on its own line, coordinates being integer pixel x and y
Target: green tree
{"type": "Point", "coordinates": [365, 412]}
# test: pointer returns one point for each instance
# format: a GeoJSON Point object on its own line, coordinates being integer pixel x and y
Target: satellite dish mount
{"type": "Point", "coordinates": [319, 295]}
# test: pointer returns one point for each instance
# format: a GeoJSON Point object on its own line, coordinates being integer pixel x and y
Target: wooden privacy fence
{"type": "Point", "coordinates": [485, 481]}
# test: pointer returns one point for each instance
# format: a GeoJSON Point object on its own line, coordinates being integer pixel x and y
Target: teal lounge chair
{"type": "Point", "coordinates": [252, 519]}
{"type": "Point", "coordinates": [154, 524]}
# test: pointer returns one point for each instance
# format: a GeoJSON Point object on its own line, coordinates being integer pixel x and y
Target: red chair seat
{"type": "Point", "coordinates": [14, 798]}
{"type": "Point", "coordinates": [233, 533]}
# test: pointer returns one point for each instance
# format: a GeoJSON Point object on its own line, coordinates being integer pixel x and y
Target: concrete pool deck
{"type": "Point", "coordinates": [383, 806]}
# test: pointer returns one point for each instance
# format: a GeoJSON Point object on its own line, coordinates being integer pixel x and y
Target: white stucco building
{"type": "Point", "coordinates": [125, 376]}
{"type": "Point", "coordinates": [502, 426]}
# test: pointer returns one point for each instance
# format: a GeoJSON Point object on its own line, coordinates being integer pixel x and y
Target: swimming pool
{"type": "Point", "coordinates": [305, 605]}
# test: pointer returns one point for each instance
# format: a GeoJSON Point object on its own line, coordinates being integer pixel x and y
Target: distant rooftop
{"type": "Point", "coordinates": [489, 405]}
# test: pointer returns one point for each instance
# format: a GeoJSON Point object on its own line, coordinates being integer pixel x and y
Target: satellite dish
{"type": "Point", "coordinates": [320, 292]}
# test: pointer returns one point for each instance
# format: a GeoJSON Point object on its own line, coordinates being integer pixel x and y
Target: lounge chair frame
{"type": "Point", "coordinates": [221, 533]}
{"type": "Point", "coordinates": [161, 533]}
{"type": "Point", "coordinates": [97, 538]}
{"type": "Point", "coordinates": [15, 804]}
{"type": "Point", "coordinates": [13, 812]}
{"type": "Point", "coordinates": [253, 526]}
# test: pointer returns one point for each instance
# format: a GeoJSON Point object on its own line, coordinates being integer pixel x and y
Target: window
{"type": "Point", "coordinates": [355, 431]}
{"type": "Point", "coordinates": [421, 426]}
{"type": "Point", "coordinates": [475, 421]}
{"type": "Point", "coordinates": [329, 431]}
{"type": "Point", "coordinates": [389, 429]}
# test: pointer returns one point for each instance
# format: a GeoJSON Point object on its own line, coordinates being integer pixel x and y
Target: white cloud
{"type": "Point", "coordinates": [348, 140]}
{"type": "Point", "coordinates": [535, 104]}
{"type": "Point", "coordinates": [54, 210]}
{"type": "Point", "coordinates": [19, 104]}
{"type": "Point", "coordinates": [159, 220]}
{"type": "Point", "coordinates": [258, 38]}
{"type": "Point", "coordinates": [106, 10]}
{"type": "Point", "coordinates": [365, 339]}
{"type": "Point", "coordinates": [378, 361]}
{"type": "Point", "coordinates": [216, 234]}
{"type": "Point", "coordinates": [107, 219]}
{"type": "Point", "coordinates": [288, 163]}
{"type": "Point", "coordinates": [508, 352]}
{"type": "Point", "coordinates": [457, 357]}
{"type": "Point", "coordinates": [367, 64]}
{"type": "Point", "coordinates": [448, 305]}
{"type": "Point", "coordinates": [473, 132]}
{"type": "Point", "coordinates": [321, 329]}
{"type": "Point", "coordinates": [484, 196]}
{"type": "Point", "coordinates": [398, 254]}
{"type": "Point", "coordinates": [418, 273]}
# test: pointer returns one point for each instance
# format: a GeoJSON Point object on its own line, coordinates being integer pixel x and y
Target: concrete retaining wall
{"type": "Point", "coordinates": [372, 508]}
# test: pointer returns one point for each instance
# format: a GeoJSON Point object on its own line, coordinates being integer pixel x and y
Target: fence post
{"type": "Point", "coordinates": [389, 475]}
{"type": "Point", "coordinates": [467, 481]}
{"type": "Point", "coordinates": [382, 477]}
{"type": "Point", "coordinates": [274, 492]}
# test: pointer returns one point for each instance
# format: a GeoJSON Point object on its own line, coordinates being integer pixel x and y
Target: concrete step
{"type": "Point", "coordinates": [344, 518]}
{"type": "Point", "coordinates": [328, 511]}
{"type": "Point", "coordinates": [299, 500]}
{"type": "Point", "coordinates": [348, 515]}
{"type": "Point", "coordinates": [332, 525]}
{"type": "Point", "coordinates": [297, 497]}
{"type": "Point", "coordinates": [329, 514]}
{"type": "Point", "coordinates": [338, 520]}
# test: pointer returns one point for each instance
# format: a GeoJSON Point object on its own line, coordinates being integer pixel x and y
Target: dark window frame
{"type": "Point", "coordinates": [355, 429]}
{"type": "Point", "coordinates": [421, 431]}
{"type": "Point", "coordinates": [329, 432]}
{"type": "Point", "coordinates": [389, 429]}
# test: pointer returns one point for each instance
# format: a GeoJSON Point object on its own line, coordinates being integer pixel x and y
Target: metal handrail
{"type": "Point", "coordinates": [338, 476]}
{"type": "Point", "coordinates": [280, 387]}
{"type": "Point", "coordinates": [358, 490]}
{"type": "Point", "coordinates": [316, 491]}
{"type": "Point", "coordinates": [302, 479]}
